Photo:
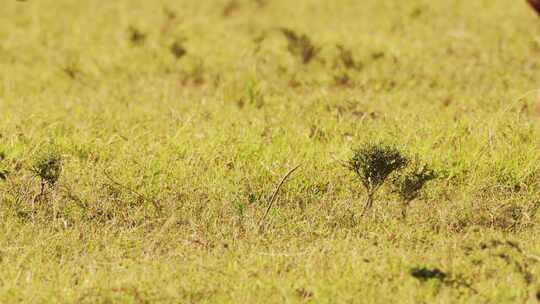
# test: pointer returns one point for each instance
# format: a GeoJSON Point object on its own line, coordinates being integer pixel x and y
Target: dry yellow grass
{"type": "Point", "coordinates": [175, 120]}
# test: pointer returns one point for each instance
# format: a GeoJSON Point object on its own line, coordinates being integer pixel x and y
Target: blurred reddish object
{"type": "Point", "coordinates": [535, 4]}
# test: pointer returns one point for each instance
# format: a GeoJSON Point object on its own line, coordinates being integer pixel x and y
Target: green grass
{"type": "Point", "coordinates": [169, 159]}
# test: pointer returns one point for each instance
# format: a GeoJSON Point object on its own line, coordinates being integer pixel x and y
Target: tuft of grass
{"type": "Point", "coordinates": [373, 164]}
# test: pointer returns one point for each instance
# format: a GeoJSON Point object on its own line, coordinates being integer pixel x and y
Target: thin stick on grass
{"type": "Point", "coordinates": [274, 195]}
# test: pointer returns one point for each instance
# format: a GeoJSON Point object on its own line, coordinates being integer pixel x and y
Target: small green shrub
{"type": "Point", "coordinates": [178, 50]}
{"type": "Point", "coordinates": [47, 165]}
{"type": "Point", "coordinates": [136, 36]}
{"type": "Point", "coordinates": [408, 186]}
{"type": "Point", "coordinates": [373, 164]}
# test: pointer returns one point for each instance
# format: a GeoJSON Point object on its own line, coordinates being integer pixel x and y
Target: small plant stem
{"type": "Point", "coordinates": [274, 195]}
{"type": "Point", "coordinates": [369, 203]}
{"type": "Point", "coordinates": [34, 210]}
{"type": "Point", "coordinates": [404, 207]}
{"type": "Point", "coordinates": [36, 197]}
{"type": "Point", "coordinates": [404, 212]}
{"type": "Point", "coordinates": [42, 190]}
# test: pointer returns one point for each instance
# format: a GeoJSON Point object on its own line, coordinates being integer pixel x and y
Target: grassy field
{"type": "Point", "coordinates": [141, 141]}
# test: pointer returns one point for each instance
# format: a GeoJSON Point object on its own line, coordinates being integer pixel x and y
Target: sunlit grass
{"type": "Point", "coordinates": [172, 123]}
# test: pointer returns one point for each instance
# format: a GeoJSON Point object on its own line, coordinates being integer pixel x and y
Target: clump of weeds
{"type": "Point", "coordinates": [373, 164]}
{"type": "Point", "coordinates": [346, 58]}
{"type": "Point", "coordinates": [71, 70]}
{"type": "Point", "coordinates": [409, 185]}
{"type": "Point", "coordinates": [47, 166]}
{"type": "Point", "coordinates": [178, 50]}
{"type": "Point", "coordinates": [136, 36]}
{"type": "Point", "coordinates": [300, 45]}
